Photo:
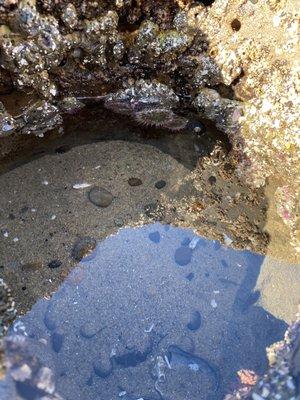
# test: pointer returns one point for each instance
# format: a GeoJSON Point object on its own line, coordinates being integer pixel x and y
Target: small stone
{"type": "Point", "coordinates": [88, 330]}
{"type": "Point", "coordinates": [195, 321]}
{"type": "Point", "coordinates": [154, 237]}
{"type": "Point", "coordinates": [83, 247]}
{"type": "Point", "coordinates": [160, 184]}
{"type": "Point", "coordinates": [119, 222]}
{"type": "Point", "coordinates": [54, 264]}
{"type": "Point", "coordinates": [212, 180]}
{"type": "Point", "coordinates": [183, 255]}
{"type": "Point", "coordinates": [134, 182]}
{"type": "Point", "coordinates": [100, 197]}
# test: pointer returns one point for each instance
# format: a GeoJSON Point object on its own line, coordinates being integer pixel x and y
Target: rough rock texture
{"type": "Point", "coordinates": [7, 315]}
{"type": "Point", "coordinates": [233, 62]}
{"type": "Point", "coordinates": [282, 380]}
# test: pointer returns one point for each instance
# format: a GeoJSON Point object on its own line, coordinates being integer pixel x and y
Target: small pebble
{"type": "Point", "coordinates": [212, 180]}
{"type": "Point", "coordinates": [154, 237]}
{"type": "Point", "coordinates": [15, 240]}
{"type": "Point", "coordinates": [88, 330]}
{"type": "Point", "coordinates": [195, 321]}
{"type": "Point", "coordinates": [100, 197]}
{"type": "Point", "coordinates": [57, 341]}
{"type": "Point", "coordinates": [160, 184]}
{"type": "Point", "coordinates": [119, 222]}
{"type": "Point", "coordinates": [134, 182]}
{"type": "Point", "coordinates": [190, 276]}
{"type": "Point", "coordinates": [46, 183]}
{"type": "Point", "coordinates": [83, 247]}
{"type": "Point", "coordinates": [183, 255]}
{"type": "Point", "coordinates": [54, 264]}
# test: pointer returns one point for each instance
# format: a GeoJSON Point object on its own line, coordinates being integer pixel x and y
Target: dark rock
{"type": "Point", "coordinates": [54, 264]}
{"type": "Point", "coordinates": [195, 321]}
{"type": "Point", "coordinates": [83, 247]}
{"type": "Point", "coordinates": [100, 197]}
{"type": "Point", "coordinates": [154, 237]}
{"type": "Point", "coordinates": [212, 180]}
{"type": "Point", "coordinates": [57, 341]}
{"type": "Point", "coordinates": [134, 182]}
{"type": "Point", "coordinates": [160, 184]}
{"type": "Point", "coordinates": [183, 255]}
{"type": "Point", "coordinates": [190, 276]}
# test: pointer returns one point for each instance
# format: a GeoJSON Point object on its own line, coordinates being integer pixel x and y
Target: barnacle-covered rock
{"type": "Point", "coordinates": [39, 118]}
{"type": "Point", "coordinates": [225, 113]}
{"type": "Point", "coordinates": [282, 378]}
{"type": "Point", "coordinates": [7, 315]}
{"type": "Point", "coordinates": [141, 95]}
{"type": "Point", "coordinates": [149, 103]}
{"type": "Point", "coordinates": [7, 122]}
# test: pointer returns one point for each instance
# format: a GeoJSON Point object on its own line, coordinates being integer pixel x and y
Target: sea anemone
{"type": "Point", "coordinates": [160, 118]}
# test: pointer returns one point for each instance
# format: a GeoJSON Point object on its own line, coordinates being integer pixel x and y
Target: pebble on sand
{"type": "Point", "coordinates": [100, 197]}
{"type": "Point", "coordinates": [160, 184]}
{"type": "Point", "coordinates": [54, 264]}
{"type": "Point", "coordinates": [134, 182]}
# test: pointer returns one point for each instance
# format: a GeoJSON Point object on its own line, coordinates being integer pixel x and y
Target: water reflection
{"type": "Point", "coordinates": [155, 313]}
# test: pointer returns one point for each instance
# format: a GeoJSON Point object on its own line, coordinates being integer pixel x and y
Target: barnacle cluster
{"type": "Point", "coordinates": [7, 315]}
{"type": "Point", "coordinates": [154, 59]}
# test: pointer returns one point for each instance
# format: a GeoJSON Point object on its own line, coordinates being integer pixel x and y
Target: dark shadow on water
{"type": "Point", "coordinates": [155, 313]}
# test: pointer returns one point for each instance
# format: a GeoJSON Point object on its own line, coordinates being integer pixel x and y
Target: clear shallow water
{"type": "Point", "coordinates": [154, 313]}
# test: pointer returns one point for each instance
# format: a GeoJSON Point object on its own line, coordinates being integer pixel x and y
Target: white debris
{"type": "Point", "coordinates": [213, 303]}
{"type": "Point", "coordinates": [194, 242]}
{"type": "Point", "coordinates": [82, 185]}
{"type": "Point", "coordinates": [194, 367]}
{"type": "Point", "coordinates": [15, 240]}
{"type": "Point", "coordinates": [121, 394]}
{"type": "Point", "coordinates": [150, 329]}
{"type": "Point", "coordinates": [46, 183]}
{"type": "Point", "coordinates": [167, 362]}
{"type": "Point", "coordinates": [53, 217]}
{"type": "Point", "coordinates": [227, 240]}
{"type": "Point", "coordinates": [5, 233]}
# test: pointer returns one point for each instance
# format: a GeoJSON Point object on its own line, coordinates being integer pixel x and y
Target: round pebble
{"type": "Point", "coordinates": [100, 197]}
{"type": "Point", "coordinates": [154, 237]}
{"type": "Point", "coordinates": [134, 182]}
{"type": "Point", "coordinates": [212, 180]}
{"type": "Point", "coordinates": [160, 184]}
{"type": "Point", "coordinates": [54, 264]}
{"type": "Point", "coordinates": [88, 330]}
{"type": "Point", "coordinates": [83, 247]}
{"type": "Point", "coordinates": [183, 255]}
{"type": "Point", "coordinates": [195, 321]}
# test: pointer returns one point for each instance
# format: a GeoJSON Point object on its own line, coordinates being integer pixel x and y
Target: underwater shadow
{"type": "Point", "coordinates": [155, 312]}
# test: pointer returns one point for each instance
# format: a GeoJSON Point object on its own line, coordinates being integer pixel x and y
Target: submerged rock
{"type": "Point", "coordinates": [100, 197]}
